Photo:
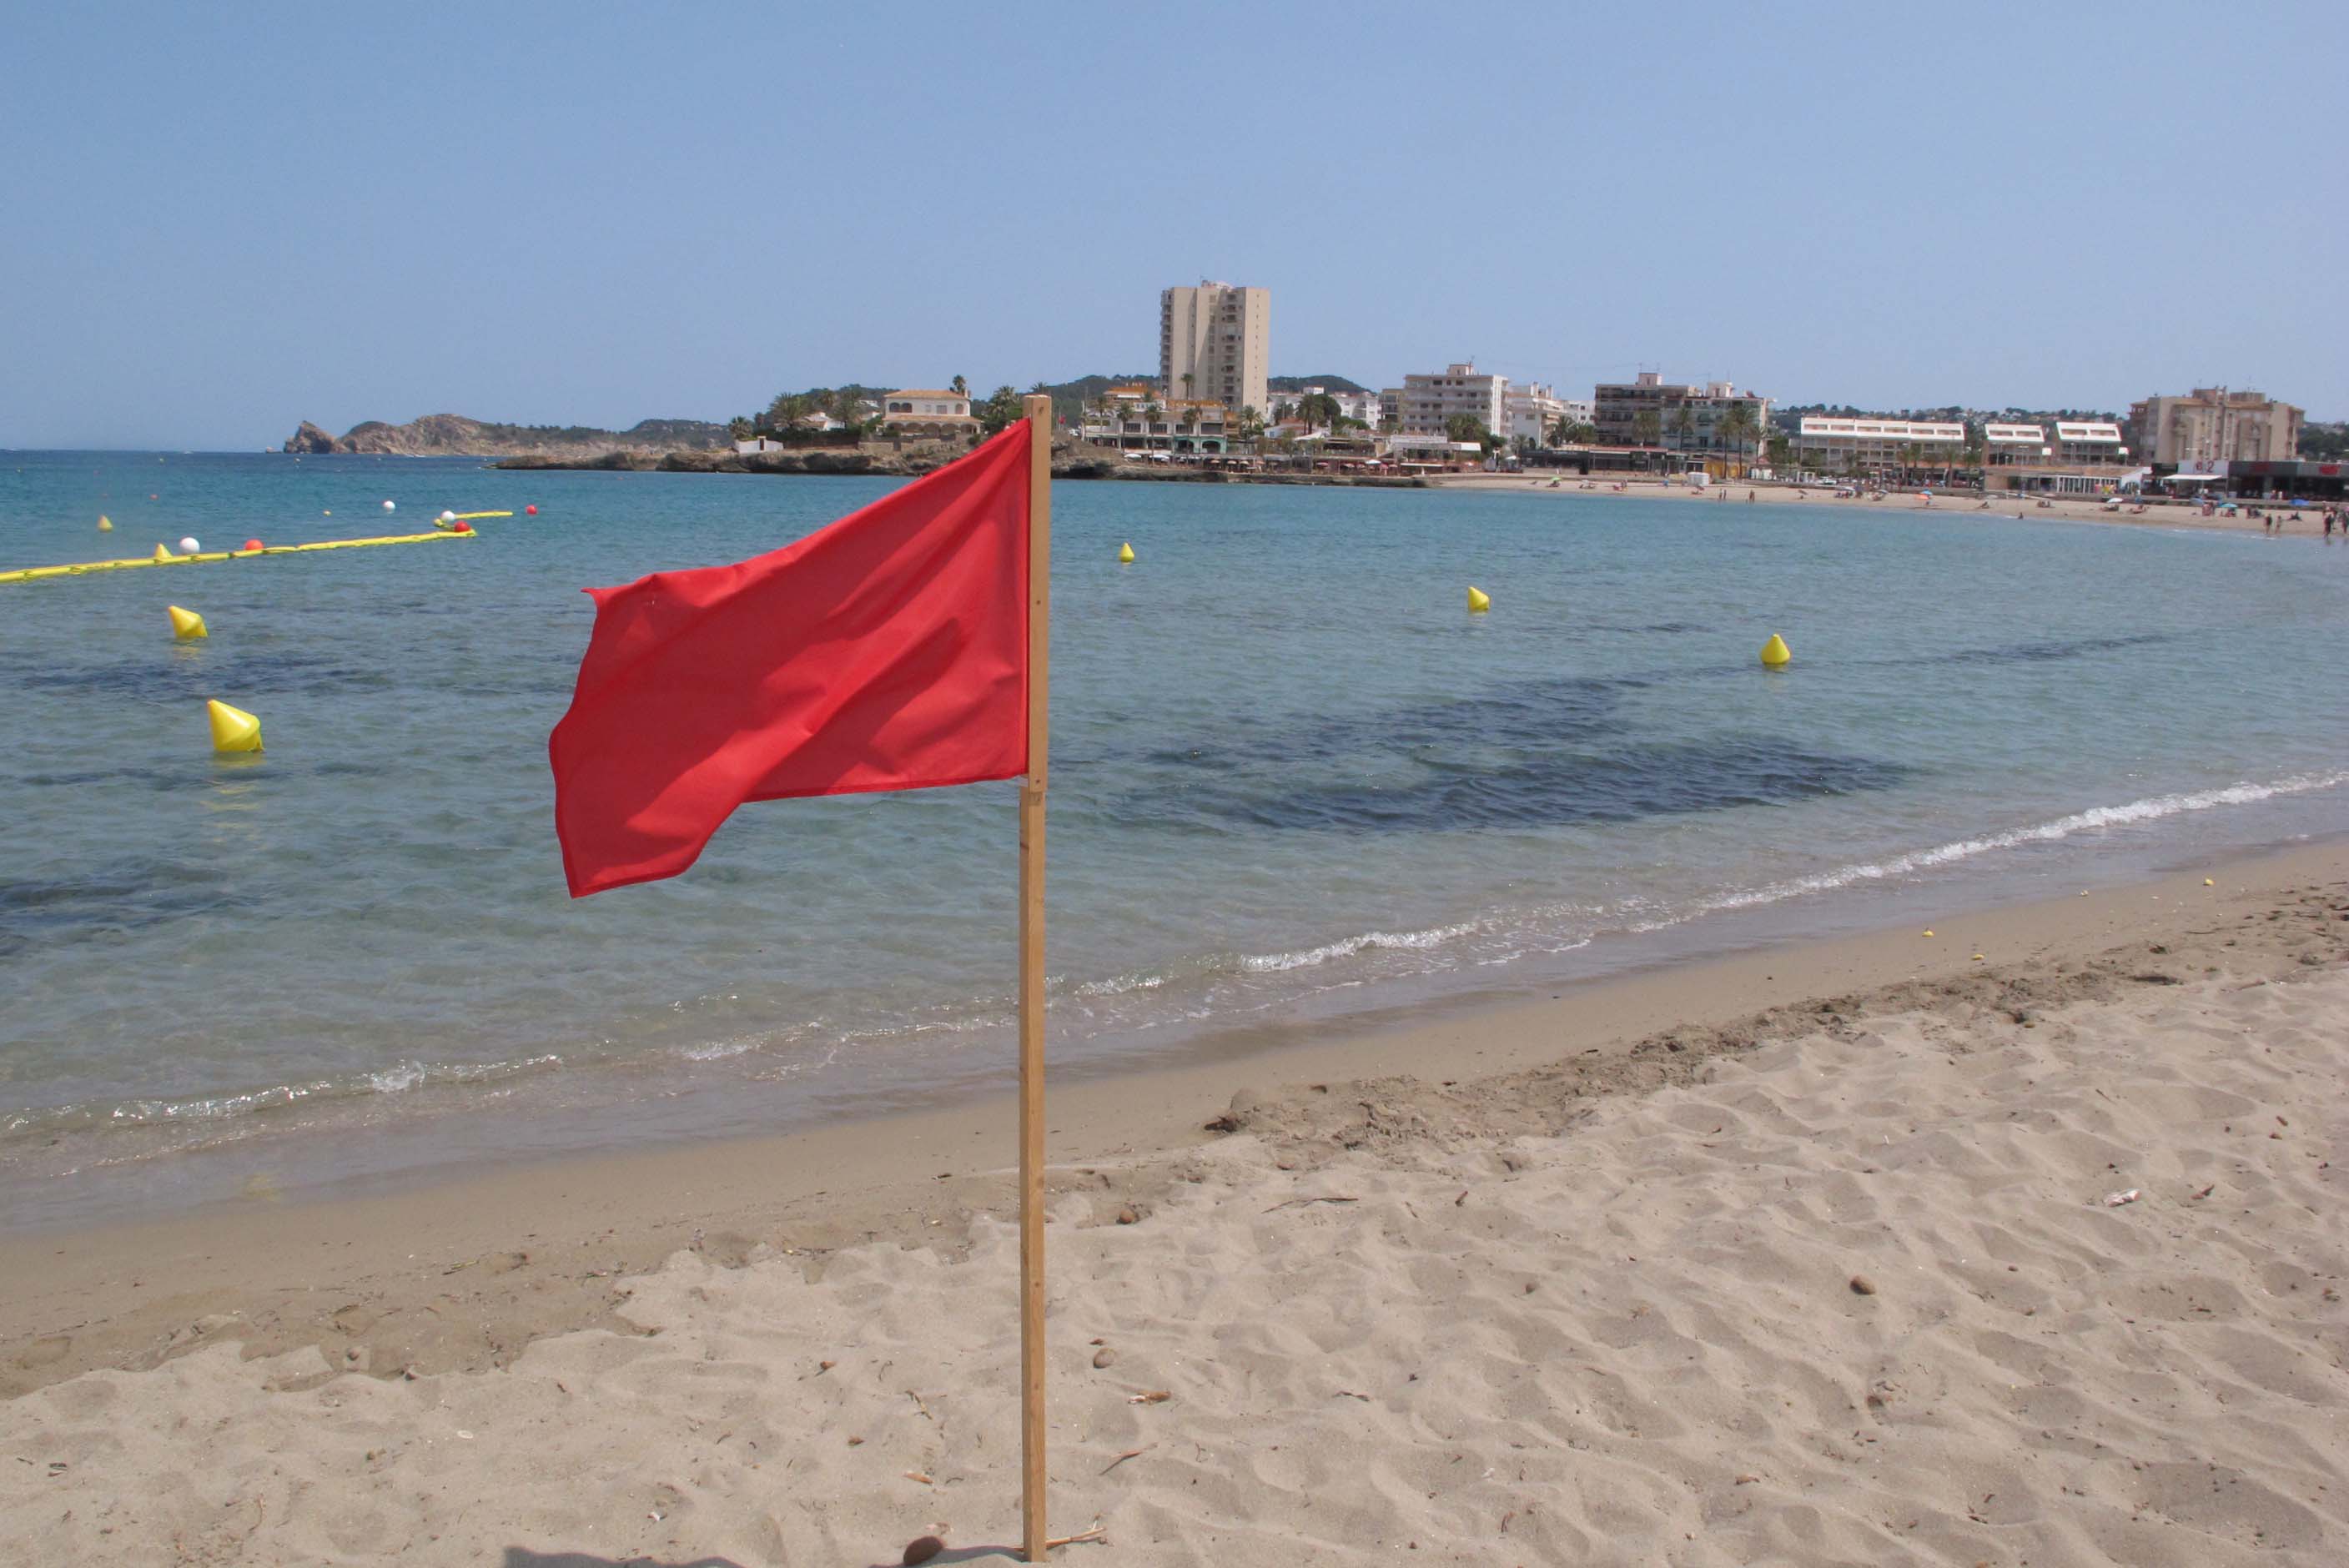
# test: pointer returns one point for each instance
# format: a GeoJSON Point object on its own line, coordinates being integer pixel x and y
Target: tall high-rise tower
{"type": "Point", "coordinates": [1215, 341]}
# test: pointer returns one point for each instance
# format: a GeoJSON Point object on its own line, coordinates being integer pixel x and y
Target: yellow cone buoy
{"type": "Point", "coordinates": [105, 524]}
{"type": "Point", "coordinates": [186, 625]}
{"type": "Point", "coordinates": [1774, 653]}
{"type": "Point", "coordinates": [233, 730]}
{"type": "Point", "coordinates": [1125, 553]}
{"type": "Point", "coordinates": [161, 553]}
{"type": "Point", "coordinates": [1478, 601]}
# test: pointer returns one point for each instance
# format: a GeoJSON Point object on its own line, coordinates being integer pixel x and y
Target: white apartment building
{"type": "Point", "coordinates": [1214, 344]}
{"type": "Point", "coordinates": [1687, 418]}
{"type": "Point", "coordinates": [2089, 441]}
{"type": "Point", "coordinates": [1831, 445]}
{"type": "Point", "coordinates": [2210, 426]}
{"type": "Point", "coordinates": [1533, 411]}
{"type": "Point", "coordinates": [2012, 446]}
{"type": "Point", "coordinates": [1429, 402]}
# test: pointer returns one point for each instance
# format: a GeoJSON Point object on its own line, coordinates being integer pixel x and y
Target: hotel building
{"type": "Point", "coordinates": [1214, 344]}
{"type": "Point", "coordinates": [1615, 408]}
{"type": "Point", "coordinates": [1831, 445]}
{"type": "Point", "coordinates": [2210, 426]}
{"type": "Point", "coordinates": [1428, 402]}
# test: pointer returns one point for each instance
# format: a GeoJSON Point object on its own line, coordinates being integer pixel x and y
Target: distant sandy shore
{"type": "Point", "coordinates": [2014, 1235]}
{"type": "Point", "coordinates": [2159, 514]}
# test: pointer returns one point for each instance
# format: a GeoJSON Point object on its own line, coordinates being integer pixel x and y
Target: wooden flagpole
{"type": "Point", "coordinates": [1031, 979]}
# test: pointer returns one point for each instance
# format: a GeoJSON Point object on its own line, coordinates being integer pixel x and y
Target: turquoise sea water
{"type": "Point", "coordinates": [1293, 778]}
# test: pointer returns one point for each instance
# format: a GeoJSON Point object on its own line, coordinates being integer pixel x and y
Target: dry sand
{"type": "Point", "coordinates": [1962, 503]}
{"type": "Point", "coordinates": [1573, 1292]}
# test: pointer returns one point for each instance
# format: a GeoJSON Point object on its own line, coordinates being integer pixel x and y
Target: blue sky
{"type": "Point", "coordinates": [223, 220]}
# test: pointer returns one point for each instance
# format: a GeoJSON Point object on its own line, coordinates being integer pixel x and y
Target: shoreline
{"type": "Point", "coordinates": [1955, 503]}
{"type": "Point", "coordinates": [460, 1274]}
{"type": "Point", "coordinates": [420, 1136]}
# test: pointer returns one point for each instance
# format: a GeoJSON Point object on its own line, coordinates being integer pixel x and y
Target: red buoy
{"type": "Point", "coordinates": [529, 510]}
{"type": "Point", "coordinates": [253, 544]}
{"type": "Point", "coordinates": [460, 526]}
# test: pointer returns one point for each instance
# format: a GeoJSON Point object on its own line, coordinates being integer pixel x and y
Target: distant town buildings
{"type": "Point", "coordinates": [1426, 404]}
{"type": "Point", "coordinates": [1215, 341]}
{"type": "Point", "coordinates": [1685, 418]}
{"type": "Point", "coordinates": [923, 411]}
{"type": "Point", "coordinates": [2210, 426]}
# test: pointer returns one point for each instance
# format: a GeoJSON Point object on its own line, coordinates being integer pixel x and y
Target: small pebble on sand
{"type": "Point", "coordinates": [1862, 1286]}
{"type": "Point", "coordinates": [922, 1548]}
{"type": "Point", "coordinates": [1104, 1356]}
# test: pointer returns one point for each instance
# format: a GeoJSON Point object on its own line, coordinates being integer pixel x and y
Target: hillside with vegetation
{"type": "Point", "coordinates": [455, 436]}
{"type": "Point", "coordinates": [2325, 443]}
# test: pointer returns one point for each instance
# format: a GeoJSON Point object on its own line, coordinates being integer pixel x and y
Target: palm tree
{"type": "Point", "coordinates": [1683, 423]}
{"type": "Point", "coordinates": [1317, 408]}
{"type": "Point", "coordinates": [959, 386]}
{"type": "Point", "coordinates": [1739, 426]}
{"type": "Point", "coordinates": [1646, 426]}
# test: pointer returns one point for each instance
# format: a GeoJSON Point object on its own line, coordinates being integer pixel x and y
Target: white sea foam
{"type": "Point", "coordinates": [2093, 818]}
{"type": "Point", "coordinates": [1347, 947]}
{"type": "Point", "coordinates": [719, 1050]}
{"type": "Point", "coordinates": [1119, 984]}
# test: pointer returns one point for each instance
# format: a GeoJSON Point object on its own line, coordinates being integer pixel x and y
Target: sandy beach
{"type": "Point", "coordinates": [1803, 1257]}
{"type": "Point", "coordinates": [2157, 514]}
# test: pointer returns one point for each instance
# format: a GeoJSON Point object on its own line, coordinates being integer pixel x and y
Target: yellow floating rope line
{"type": "Point", "coordinates": [32, 573]}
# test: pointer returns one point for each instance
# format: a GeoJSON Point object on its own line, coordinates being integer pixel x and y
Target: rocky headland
{"type": "Point", "coordinates": [455, 436]}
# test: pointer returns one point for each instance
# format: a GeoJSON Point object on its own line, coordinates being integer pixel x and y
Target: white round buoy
{"type": "Point", "coordinates": [189, 546]}
{"type": "Point", "coordinates": [448, 517]}
{"type": "Point", "coordinates": [389, 506]}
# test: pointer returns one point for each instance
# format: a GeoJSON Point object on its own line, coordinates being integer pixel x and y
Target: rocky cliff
{"type": "Point", "coordinates": [453, 435]}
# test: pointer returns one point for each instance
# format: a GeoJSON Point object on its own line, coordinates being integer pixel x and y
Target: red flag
{"type": "Point", "coordinates": [888, 651]}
